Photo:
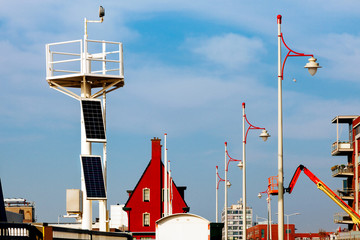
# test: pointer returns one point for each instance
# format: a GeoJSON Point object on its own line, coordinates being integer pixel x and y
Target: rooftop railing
{"type": "Point", "coordinates": [88, 57]}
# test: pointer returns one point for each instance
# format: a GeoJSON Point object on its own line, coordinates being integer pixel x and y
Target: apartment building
{"type": "Point", "coordinates": [235, 220]}
{"type": "Point", "coordinates": [347, 147]}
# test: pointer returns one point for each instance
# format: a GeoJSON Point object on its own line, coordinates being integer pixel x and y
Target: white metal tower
{"type": "Point", "coordinates": [87, 64]}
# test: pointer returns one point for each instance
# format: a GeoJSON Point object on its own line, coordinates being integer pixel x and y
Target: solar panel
{"type": "Point", "coordinates": [93, 175]}
{"type": "Point", "coordinates": [93, 120]}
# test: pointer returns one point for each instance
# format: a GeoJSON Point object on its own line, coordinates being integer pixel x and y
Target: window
{"type": "Point", "coordinates": [288, 230]}
{"type": "Point", "coordinates": [146, 219]}
{"type": "Point", "coordinates": [146, 195]}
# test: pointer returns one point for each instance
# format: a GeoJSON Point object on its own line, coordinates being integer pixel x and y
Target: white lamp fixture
{"type": "Point", "coordinates": [312, 66]}
{"type": "Point", "coordinates": [259, 195]}
{"type": "Point", "coordinates": [228, 184]}
{"type": "Point", "coordinates": [264, 135]}
{"type": "Point", "coordinates": [240, 165]}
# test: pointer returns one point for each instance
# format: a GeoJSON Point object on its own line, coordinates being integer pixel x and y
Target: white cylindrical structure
{"type": "Point", "coordinates": [170, 192]}
{"type": "Point", "coordinates": [269, 210]}
{"type": "Point", "coordinates": [226, 203]}
{"type": "Point", "coordinates": [244, 174]}
{"type": "Point", "coordinates": [103, 203]}
{"type": "Point", "coordinates": [356, 177]}
{"type": "Point", "coordinates": [280, 141]}
{"type": "Point", "coordinates": [165, 179]}
{"type": "Point", "coordinates": [217, 198]}
{"type": "Point", "coordinates": [86, 222]}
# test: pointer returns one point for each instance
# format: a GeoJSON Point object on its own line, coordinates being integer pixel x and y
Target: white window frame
{"type": "Point", "coordinates": [146, 215]}
{"type": "Point", "coordinates": [144, 194]}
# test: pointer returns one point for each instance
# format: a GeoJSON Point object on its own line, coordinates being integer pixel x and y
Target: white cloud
{"type": "Point", "coordinates": [229, 50]}
{"type": "Point", "coordinates": [341, 56]}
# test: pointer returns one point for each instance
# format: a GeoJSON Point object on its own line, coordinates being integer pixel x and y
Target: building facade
{"type": "Point", "coordinates": [259, 232]}
{"type": "Point", "coordinates": [22, 207]}
{"type": "Point", "coordinates": [235, 220]}
{"type": "Point", "coordinates": [347, 146]}
{"type": "Point", "coordinates": [145, 204]}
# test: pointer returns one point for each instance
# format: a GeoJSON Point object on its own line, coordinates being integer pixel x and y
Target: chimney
{"type": "Point", "coordinates": [156, 149]}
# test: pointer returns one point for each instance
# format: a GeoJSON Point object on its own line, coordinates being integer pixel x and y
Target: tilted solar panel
{"type": "Point", "coordinates": [93, 120]}
{"type": "Point", "coordinates": [94, 178]}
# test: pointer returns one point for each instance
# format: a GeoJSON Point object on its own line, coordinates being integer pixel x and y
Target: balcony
{"type": "Point", "coordinates": [342, 218]}
{"type": "Point", "coordinates": [341, 148]}
{"type": "Point", "coordinates": [342, 170]}
{"type": "Point", "coordinates": [346, 193]}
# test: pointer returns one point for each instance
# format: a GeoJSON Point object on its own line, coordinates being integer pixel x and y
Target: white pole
{"type": "Point", "coordinates": [165, 179]}
{"type": "Point", "coordinates": [85, 150]}
{"type": "Point", "coordinates": [170, 191]}
{"type": "Point", "coordinates": [226, 203]}
{"type": "Point", "coordinates": [103, 203]}
{"type": "Point", "coordinates": [280, 141]}
{"type": "Point", "coordinates": [287, 229]}
{"type": "Point", "coordinates": [270, 217]}
{"type": "Point", "coordinates": [85, 146]}
{"type": "Point", "coordinates": [217, 198]}
{"type": "Point", "coordinates": [268, 224]}
{"type": "Point", "coordinates": [244, 174]}
{"type": "Point", "coordinates": [356, 177]}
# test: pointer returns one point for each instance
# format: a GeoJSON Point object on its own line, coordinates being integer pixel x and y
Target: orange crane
{"type": "Point", "coordinates": [322, 186]}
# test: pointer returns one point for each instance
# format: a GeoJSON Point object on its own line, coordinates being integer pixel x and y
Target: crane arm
{"type": "Point", "coordinates": [323, 187]}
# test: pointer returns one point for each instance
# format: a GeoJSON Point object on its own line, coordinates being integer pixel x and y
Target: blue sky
{"type": "Point", "coordinates": [188, 67]}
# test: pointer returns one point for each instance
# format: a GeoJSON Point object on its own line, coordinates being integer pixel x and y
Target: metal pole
{"type": "Point", "coordinates": [356, 166]}
{"type": "Point", "coordinates": [270, 217]}
{"type": "Point", "coordinates": [268, 225]}
{"type": "Point", "coordinates": [244, 174]}
{"type": "Point", "coordinates": [86, 222]}
{"type": "Point", "coordinates": [287, 229]}
{"type": "Point", "coordinates": [165, 179]}
{"type": "Point", "coordinates": [103, 203]}
{"type": "Point", "coordinates": [217, 197]}
{"type": "Point", "coordinates": [226, 203]}
{"type": "Point", "coordinates": [280, 141]}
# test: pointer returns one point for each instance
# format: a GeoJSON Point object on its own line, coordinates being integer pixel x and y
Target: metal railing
{"type": "Point", "coordinates": [19, 231]}
{"type": "Point", "coordinates": [346, 192]}
{"type": "Point", "coordinates": [339, 169]}
{"type": "Point", "coordinates": [341, 145]}
{"type": "Point", "coordinates": [342, 217]}
{"type": "Point", "coordinates": [78, 57]}
{"type": "Point", "coordinates": [71, 233]}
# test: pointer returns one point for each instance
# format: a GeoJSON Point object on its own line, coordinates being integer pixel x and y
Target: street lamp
{"type": "Point", "coordinates": [218, 180]}
{"type": "Point", "coordinates": [287, 221]}
{"type": "Point", "coordinates": [227, 184]}
{"type": "Point", "coordinates": [312, 66]}
{"type": "Point", "coordinates": [268, 200]}
{"type": "Point", "coordinates": [264, 136]}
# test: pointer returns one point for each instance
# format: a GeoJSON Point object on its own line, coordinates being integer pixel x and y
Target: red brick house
{"type": "Point", "coordinates": [145, 204]}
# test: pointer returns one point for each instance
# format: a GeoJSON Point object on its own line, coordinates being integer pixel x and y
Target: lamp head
{"type": "Point", "coordinates": [240, 165]}
{"type": "Point", "coordinates": [259, 195]}
{"type": "Point", "coordinates": [101, 12]}
{"type": "Point", "coordinates": [228, 184]}
{"type": "Point", "coordinates": [264, 135]}
{"type": "Point", "coordinates": [312, 66]}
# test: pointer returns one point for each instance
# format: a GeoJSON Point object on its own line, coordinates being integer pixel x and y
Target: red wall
{"type": "Point", "coordinates": [152, 178]}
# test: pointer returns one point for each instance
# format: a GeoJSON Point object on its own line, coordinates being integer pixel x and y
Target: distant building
{"type": "Point", "coordinates": [235, 220]}
{"type": "Point", "coordinates": [259, 232]}
{"type": "Point", "coordinates": [22, 207]}
{"type": "Point", "coordinates": [145, 204]}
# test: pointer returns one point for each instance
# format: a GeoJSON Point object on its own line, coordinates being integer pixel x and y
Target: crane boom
{"type": "Point", "coordinates": [323, 187]}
